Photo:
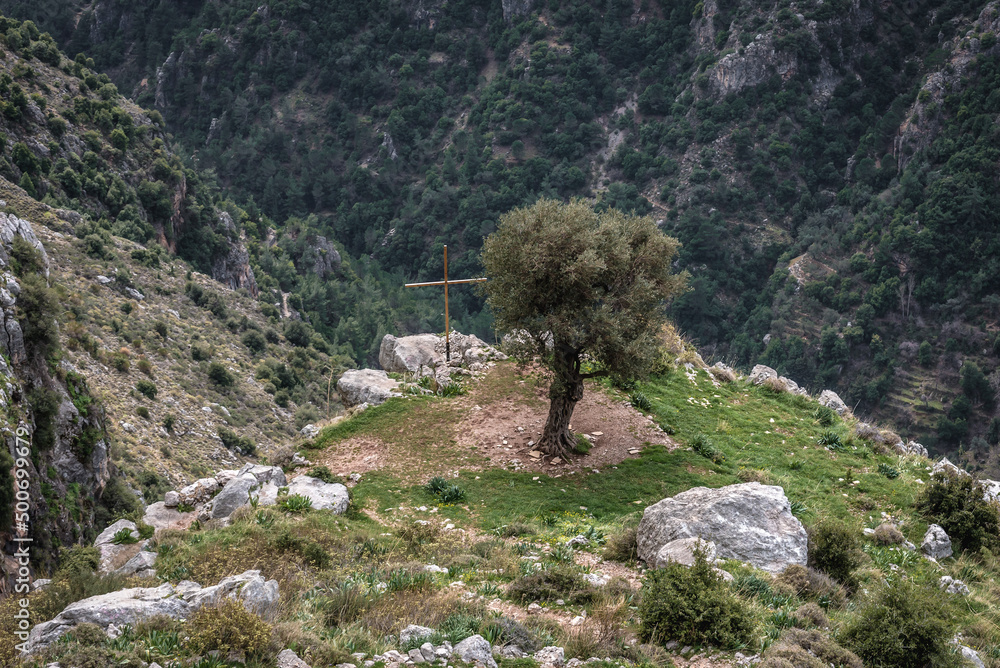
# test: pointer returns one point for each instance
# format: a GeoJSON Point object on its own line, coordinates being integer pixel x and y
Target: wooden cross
{"type": "Point", "coordinates": [446, 283]}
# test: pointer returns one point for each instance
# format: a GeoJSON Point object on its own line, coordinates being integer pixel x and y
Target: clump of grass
{"type": "Point", "coordinates": [704, 447]}
{"type": "Point", "coordinates": [888, 471]}
{"type": "Point", "coordinates": [831, 440]}
{"type": "Point", "coordinates": [640, 401]}
{"type": "Point", "coordinates": [124, 537]}
{"type": "Point", "coordinates": [295, 503]}
{"type": "Point", "coordinates": [558, 582]}
{"type": "Point", "coordinates": [622, 546]}
{"type": "Point", "coordinates": [582, 445]}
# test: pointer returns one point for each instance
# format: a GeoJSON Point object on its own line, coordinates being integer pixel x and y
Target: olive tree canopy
{"type": "Point", "coordinates": [580, 286]}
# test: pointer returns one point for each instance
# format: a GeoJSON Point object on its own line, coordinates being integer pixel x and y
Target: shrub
{"type": "Point", "coordinates": [142, 412]}
{"type": "Point", "coordinates": [254, 341]}
{"type": "Point", "coordinates": [200, 353]}
{"type": "Point", "coordinates": [120, 362]}
{"type": "Point", "coordinates": [902, 624]}
{"type": "Point", "coordinates": [808, 649]}
{"type": "Point", "coordinates": [622, 546]}
{"type": "Point", "coordinates": [233, 441]}
{"type": "Point", "coordinates": [37, 307]}
{"type": "Point", "coordinates": [810, 614]}
{"type": "Point", "coordinates": [582, 445]}
{"type": "Point", "coordinates": [641, 402]}
{"type": "Point", "coordinates": [550, 585]}
{"type": "Point", "coordinates": [220, 375]}
{"type": "Point", "coordinates": [825, 416]}
{"type": "Point", "coordinates": [229, 627]}
{"type": "Point", "coordinates": [888, 471]}
{"type": "Point", "coordinates": [445, 491]}
{"type": "Point", "coordinates": [145, 366]}
{"type": "Point", "coordinates": [956, 503]}
{"type": "Point", "coordinates": [888, 534]}
{"type": "Point", "coordinates": [812, 584]}
{"type": "Point", "coordinates": [692, 606]}
{"type": "Point", "coordinates": [146, 388]}
{"type": "Point", "coordinates": [169, 421]}
{"type": "Point", "coordinates": [835, 549]}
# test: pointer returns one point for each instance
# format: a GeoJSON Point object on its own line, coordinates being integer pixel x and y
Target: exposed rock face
{"type": "Point", "coordinates": [11, 226]}
{"type": "Point", "coordinates": [515, 8]}
{"type": "Point", "coordinates": [234, 268]}
{"type": "Point", "coordinates": [475, 649]}
{"type": "Point", "coordinates": [761, 373]}
{"type": "Point", "coordinates": [945, 467]}
{"type": "Point", "coordinates": [142, 564]}
{"type": "Point", "coordinates": [414, 631]}
{"type": "Point", "coordinates": [991, 490]}
{"type": "Point", "coordinates": [366, 386]}
{"type": "Point", "coordinates": [159, 516]}
{"type": "Point", "coordinates": [910, 448]}
{"type": "Point", "coordinates": [323, 257]}
{"type": "Point", "coordinates": [111, 555]}
{"type": "Point", "coordinates": [199, 491]}
{"type": "Point", "coordinates": [289, 659]}
{"type": "Point", "coordinates": [832, 400]}
{"type": "Point", "coordinates": [682, 551]}
{"type": "Point", "coordinates": [551, 656]}
{"type": "Point", "coordinates": [324, 495]}
{"type": "Point", "coordinates": [130, 606]}
{"type": "Point", "coordinates": [758, 63]}
{"type": "Point", "coordinates": [235, 494]}
{"type": "Point", "coordinates": [409, 354]}
{"type": "Point", "coordinates": [750, 522]}
{"type": "Point", "coordinates": [936, 543]}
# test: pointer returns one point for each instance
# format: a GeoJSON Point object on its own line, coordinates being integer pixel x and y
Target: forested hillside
{"type": "Point", "coordinates": [830, 166]}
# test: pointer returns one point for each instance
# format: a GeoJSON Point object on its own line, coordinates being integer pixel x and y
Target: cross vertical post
{"type": "Point", "coordinates": [446, 283]}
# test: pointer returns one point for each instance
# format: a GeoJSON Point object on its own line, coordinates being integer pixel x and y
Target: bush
{"type": "Point", "coordinates": [692, 606]}
{"type": "Point", "coordinates": [233, 441]}
{"type": "Point", "coordinates": [835, 549]}
{"type": "Point", "coordinates": [704, 447]}
{"type": "Point", "coordinates": [808, 649]}
{"type": "Point", "coordinates": [229, 627]}
{"type": "Point", "coordinates": [550, 585]}
{"type": "Point", "coordinates": [344, 605]}
{"type": "Point", "coordinates": [120, 362]}
{"type": "Point", "coordinates": [296, 503]}
{"type": "Point", "coordinates": [255, 342]}
{"type": "Point", "coordinates": [812, 584]}
{"type": "Point", "coordinates": [220, 375]}
{"type": "Point", "coordinates": [36, 309]}
{"type": "Point", "coordinates": [902, 624]}
{"type": "Point", "coordinates": [956, 503]}
{"type": "Point", "coordinates": [810, 614]}
{"type": "Point", "coordinates": [888, 534]}
{"type": "Point", "coordinates": [622, 546]}
{"type": "Point", "coordinates": [146, 388]}
{"type": "Point", "coordinates": [200, 354]}
{"type": "Point", "coordinates": [325, 474]}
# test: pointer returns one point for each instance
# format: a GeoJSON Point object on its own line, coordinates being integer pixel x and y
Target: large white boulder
{"type": "Point", "coordinates": [760, 373]}
{"type": "Point", "coordinates": [129, 606]}
{"type": "Point", "coordinates": [749, 522]}
{"type": "Point", "coordinates": [234, 495]}
{"type": "Point", "coordinates": [945, 467]}
{"type": "Point", "coordinates": [682, 551]}
{"type": "Point", "coordinates": [832, 400]}
{"type": "Point", "coordinates": [366, 386]}
{"type": "Point", "coordinates": [409, 354]}
{"type": "Point", "coordinates": [114, 555]}
{"type": "Point", "coordinates": [324, 495]}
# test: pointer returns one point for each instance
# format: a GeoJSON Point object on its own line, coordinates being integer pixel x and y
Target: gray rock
{"type": "Point", "coordinates": [199, 491]}
{"type": "Point", "coordinates": [475, 649]}
{"type": "Point", "coordinates": [513, 9]}
{"type": "Point", "coordinates": [945, 467]}
{"type": "Point", "coordinates": [578, 541]}
{"type": "Point", "coordinates": [265, 474]}
{"type": "Point", "coordinates": [991, 490]}
{"type": "Point", "coordinates": [971, 655]}
{"type": "Point", "coordinates": [749, 522]}
{"type": "Point", "coordinates": [936, 543]}
{"type": "Point", "coordinates": [953, 586]}
{"type": "Point", "coordinates": [792, 386]}
{"type": "Point", "coordinates": [289, 659]}
{"type": "Point", "coordinates": [682, 551]}
{"type": "Point", "coordinates": [427, 649]}
{"type": "Point", "coordinates": [414, 631]}
{"type": "Point", "coordinates": [223, 477]}
{"type": "Point", "coordinates": [324, 495]}
{"type": "Point", "coordinates": [595, 579]}
{"type": "Point", "coordinates": [831, 399]}
{"type": "Point", "coordinates": [106, 536]}
{"type": "Point", "coordinates": [111, 554]}
{"type": "Point", "coordinates": [11, 226]}
{"type": "Point", "coordinates": [551, 656]}
{"type": "Point", "coordinates": [40, 583]}
{"type": "Point", "coordinates": [143, 561]}
{"type": "Point", "coordinates": [171, 499]}
{"type": "Point", "coordinates": [257, 595]}
{"type": "Point", "coordinates": [416, 656]}
{"type": "Point", "coordinates": [409, 354]}
{"type": "Point", "coordinates": [366, 386]}
{"type": "Point", "coordinates": [309, 431]}
{"type": "Point", "coordinates": [761, 373]}
{"type": "Point", "coordinates": [160, 517]}
{"type": "Point", "coordinates": [909, 448]}
{"type": "Point", "coordinates": [234, 495]}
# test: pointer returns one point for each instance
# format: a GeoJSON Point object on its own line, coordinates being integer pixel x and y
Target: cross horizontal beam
{"type": "Point", "coordinates": [464, 280]}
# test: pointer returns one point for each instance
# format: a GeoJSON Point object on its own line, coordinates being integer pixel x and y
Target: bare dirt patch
{"type": "Point", "coordinates": [360, 454]}
{"type": "Point", "coordinates": [505, 431]}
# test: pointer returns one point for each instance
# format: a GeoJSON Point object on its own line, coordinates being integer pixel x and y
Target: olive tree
{"type": "Point", "coordinates": [586, 290]}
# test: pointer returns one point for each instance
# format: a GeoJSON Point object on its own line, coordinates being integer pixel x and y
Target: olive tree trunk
{"type": "Point", "coordinates": [564, 393]}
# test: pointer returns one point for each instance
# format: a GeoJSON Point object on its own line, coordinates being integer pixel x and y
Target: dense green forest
{"type": "Point", "coordinates": [829, 166]}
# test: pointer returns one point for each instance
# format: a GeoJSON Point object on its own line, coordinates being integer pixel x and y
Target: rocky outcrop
{"type": "Point", "coordinates": [366, 386]}
{"type": "Point", "coordinates": [324, 495]}
{"type": "Point", "coordinates": [198, 492]}
{"type": "Point", "coordinates": [832, 400]}
{"type": "Point", "coordinates": [424, 354]}
{"type": "Point", "coordinates": [233, 268]}
{"type": "Point", "coordinates": [936, 543]}
{"type": "Point", "coordinates": [750, 522]}
{"type": "Point", "coordinates": [946, 468]}
{"type": "Point", "coordinates": [513, 9]}
{"type": "Point", "coordinates": [321, 256]}
{"type": "Point", "coordinates": [757, 63]}
{"type": "Point", "coordinates": [10, 227]}
{"type": "Point", "coordinates": [130, 606]}
{"type": "Point", "coordinates": [113, 555]}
